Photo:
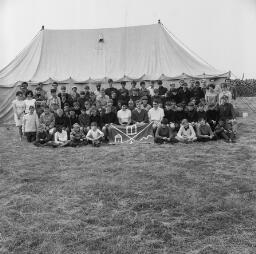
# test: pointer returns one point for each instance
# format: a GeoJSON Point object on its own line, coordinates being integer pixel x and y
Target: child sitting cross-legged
{"type": "Point", "coordinates": [204, 131]}
{"type": "Point", "coordinates": [77, 137]}
{"type": "Point", "coordinates": [94, 135]}
{"type": "Point", "coordinates": [164, 133]}
{"type": "Point", "coordinates": [224, 130]}
{"type": "Point", "coordinates": [42, 136]}
{"type": "Point", "coordinates": [186, 132]}
{"type": "Point", "coordinates": [60, 137]}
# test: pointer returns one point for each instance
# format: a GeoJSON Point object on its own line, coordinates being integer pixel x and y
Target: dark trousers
{"type": "Point", "coordinates": [161, 141]}
{"type": "Point", "coordinates": [227, 135]}
{"type": "Point", "coordinates": [202, 139]}
{"type": "Point", "coordinates": [31, 136]}
{"type": "Point", "coordinates": [74, 143]}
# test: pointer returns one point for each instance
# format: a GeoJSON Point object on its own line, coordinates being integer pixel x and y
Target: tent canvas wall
{"type": "Point", "coordinates": [146, 52]}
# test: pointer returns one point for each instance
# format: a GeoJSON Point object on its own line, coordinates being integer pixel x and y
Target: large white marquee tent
{"type": "Point", "coordinates": [147, 52]}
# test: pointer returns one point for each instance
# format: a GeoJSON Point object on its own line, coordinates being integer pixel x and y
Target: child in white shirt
{"type": "Point", "coordinates": [61, 137]}
{"type": "Point", "coordinates": [30, 124]}
{"type": "Point", "coordinates": [94, 135]}
{"type": "Point", "coordinates": [186, 132]}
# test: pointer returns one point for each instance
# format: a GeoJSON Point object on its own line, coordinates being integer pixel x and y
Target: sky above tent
{"type": "Point", "coordinates": [220, 31]}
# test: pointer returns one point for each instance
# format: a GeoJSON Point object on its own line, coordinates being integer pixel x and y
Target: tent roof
{"type": "Point", "coordinates": [137, 52]}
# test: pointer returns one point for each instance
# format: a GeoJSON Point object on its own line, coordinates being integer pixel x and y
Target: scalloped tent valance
{"type": "Point", "coordinates": [134, 53]}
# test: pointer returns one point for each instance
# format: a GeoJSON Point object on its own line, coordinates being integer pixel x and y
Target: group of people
{"type": "Point", "coordinates": [185, 114]}
{"type": "Point", "coordinates": [245, 88]}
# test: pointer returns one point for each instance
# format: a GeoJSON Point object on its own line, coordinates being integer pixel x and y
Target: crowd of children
{"type": "Point", "coordinates": [185, 114]}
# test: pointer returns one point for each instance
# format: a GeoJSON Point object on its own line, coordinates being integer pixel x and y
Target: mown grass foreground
{"type": "Point", "coordinates": [196, 198]}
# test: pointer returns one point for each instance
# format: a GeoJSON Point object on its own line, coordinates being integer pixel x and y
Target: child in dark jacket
{"type": "Point", "coordinates": [84, 120]}
{"type": "Point", "coordinates": [223, 130]}
{"type": "Point", "coordinates": [164, 133]}
{"type": "Point", "coordinates": [77, 137]}
{"type": "Point", "coordinates": [212, 115]}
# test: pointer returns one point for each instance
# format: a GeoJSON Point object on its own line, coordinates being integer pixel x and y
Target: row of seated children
{"type": "Point", "coordinates": [41, 133]}
{"type": "Point", "coordinates": [201, 132]}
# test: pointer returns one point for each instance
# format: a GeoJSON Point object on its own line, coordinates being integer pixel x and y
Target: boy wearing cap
{"type": "Point", "coordinates": [94, 135]}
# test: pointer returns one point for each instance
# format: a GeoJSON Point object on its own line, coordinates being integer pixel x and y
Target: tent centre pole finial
{"type": "Point", "coordinates": [42, 28]}
{"type": "Point", "coordinates": [159, 21]}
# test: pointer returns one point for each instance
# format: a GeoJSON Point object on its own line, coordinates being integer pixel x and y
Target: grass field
{"type": "Point", "coordinates": [196, 198]}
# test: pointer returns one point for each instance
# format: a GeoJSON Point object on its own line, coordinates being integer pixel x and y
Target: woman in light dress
{"type": "Point", "coordinates": [19, 108]}
{"type": "Point", "coordinates": [29, 101]}
{"type": "Point", "coordinates": [211, 97]}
